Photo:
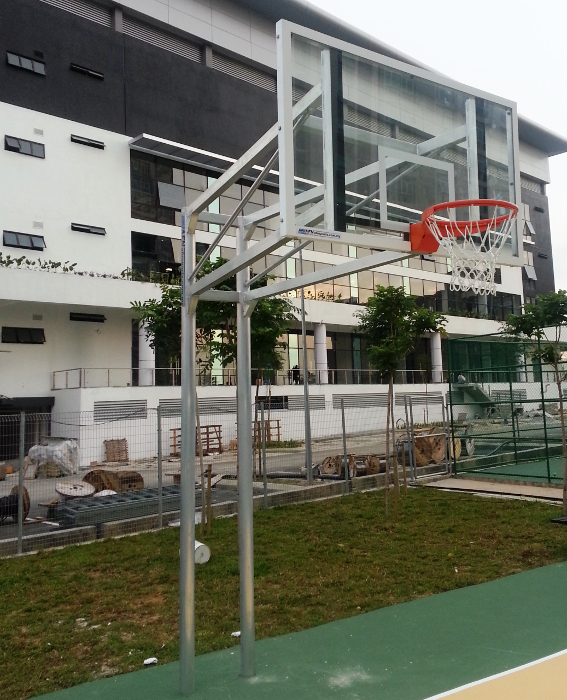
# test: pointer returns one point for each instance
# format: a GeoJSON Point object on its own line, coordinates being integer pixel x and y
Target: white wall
{"type": "Point", "coordinates": [73, 184]}
{"type": "Point", "coordinates": [71, 289]}
{"type": "Point", "coordinates": [26, 370]}
{"type": "Point", "coordinates": [141, 433]}
{"type": "Point", "coordinates": [534, 162]}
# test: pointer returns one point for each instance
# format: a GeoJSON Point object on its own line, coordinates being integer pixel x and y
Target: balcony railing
{"type": "Point", "coordinates": [93, 378]}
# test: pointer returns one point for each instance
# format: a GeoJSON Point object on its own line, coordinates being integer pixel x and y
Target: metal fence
{"type": "Point", "coordinates": [505, 416]}
{"type": "Point", "coordinates": [76, 477]}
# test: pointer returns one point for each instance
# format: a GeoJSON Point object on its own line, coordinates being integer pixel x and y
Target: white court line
{"type": "Point", "coordinates": [447, 693]}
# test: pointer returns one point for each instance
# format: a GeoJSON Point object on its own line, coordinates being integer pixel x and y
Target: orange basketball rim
{"type": "Point", "coordinates": [424, 236]}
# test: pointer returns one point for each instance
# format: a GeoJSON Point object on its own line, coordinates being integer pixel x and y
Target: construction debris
{"type": "Point", "coordinates": [54, 457]}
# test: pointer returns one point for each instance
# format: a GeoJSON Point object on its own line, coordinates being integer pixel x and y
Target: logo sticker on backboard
{"type": "Point", "coordinates": [317, 232]}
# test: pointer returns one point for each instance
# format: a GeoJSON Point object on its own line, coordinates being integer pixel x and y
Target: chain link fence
{"type": "Point", "coordinates": [76, 477]}
{"type": "Point", "coordinates": [504, 407]}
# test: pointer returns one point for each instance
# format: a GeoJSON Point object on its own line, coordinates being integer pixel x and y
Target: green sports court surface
{"type": "Point", "coordinates": [496, 641]}
{"type": "Point", "coordinates": [535, 471]}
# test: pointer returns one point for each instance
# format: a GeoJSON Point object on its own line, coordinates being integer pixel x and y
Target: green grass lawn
{"type": "Point", "coordinates": [84, 612]}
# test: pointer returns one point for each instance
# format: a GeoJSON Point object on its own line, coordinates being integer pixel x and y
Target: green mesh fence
{"type": "Point", "coordinates": [504, 409]}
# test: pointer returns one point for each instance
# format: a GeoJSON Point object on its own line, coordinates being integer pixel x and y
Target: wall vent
{"type": "Point", "coordinates": [532, 185]}
{"type": "Point", "coordinates": [164, 40]}
{"type": "Point", "coordinates": [244, 72]}
{"type": "Point", "coordinates": [85, 9]}
{"type": "Point", "coordinates": [297, 403]}
{"type": "Point", "coordinates": [360, 400]}
{"type": "Point", "coordinates": [223, 404]}
{"type": "Point", "coordinates": [419, 398]}
{"type": "Point", "coordinates": [111, 411]}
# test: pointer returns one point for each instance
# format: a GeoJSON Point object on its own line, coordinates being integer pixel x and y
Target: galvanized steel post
{"type": "Point", "coordinates": [21, 482]}
{"type": "Point", "coordinates": [187, 524]}
{"type": "Point", "coordinates": [245, 473]}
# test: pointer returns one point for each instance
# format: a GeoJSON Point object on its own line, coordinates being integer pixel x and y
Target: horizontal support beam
{"type": "Point", "coordinates": [240, 262]}
{"type": "Point", "coordinates": [362, 240]}
{"type": "Point", "coordinates": [448, 138]}
{"type": "Point", "coordinates": [219, 295]}
{"type": "Point", "coordinates": [209, 217]}
{"type": "Point", "coordinates": [348, 268]}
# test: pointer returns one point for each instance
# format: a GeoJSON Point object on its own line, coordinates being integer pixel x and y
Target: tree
{"type": "Point", "coordinates": [216, 325]}
{"type": "Point", "coordinates": [543, 322]}
{"type": "Point", "coordinates": [393, 325]}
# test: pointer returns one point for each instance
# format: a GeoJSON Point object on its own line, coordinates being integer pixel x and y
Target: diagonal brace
{"type": "Point", "coordinates": [245, 259]}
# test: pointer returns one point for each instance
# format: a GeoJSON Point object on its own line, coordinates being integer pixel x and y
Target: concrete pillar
{"type": "Point", "coordinates": [146, 359]}
{"type": "Point", "coordinates": [321, 367]}
{"type": "Point", "coordinates": [436, 357]}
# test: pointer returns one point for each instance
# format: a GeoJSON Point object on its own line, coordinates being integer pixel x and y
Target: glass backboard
{"type": "Point", "coordinates": [380, 140]}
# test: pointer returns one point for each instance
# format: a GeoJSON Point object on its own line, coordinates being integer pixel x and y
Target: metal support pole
{"type": "Point", "coordinates": [412, 447]}
{"type": "Point", "coordinates": [408, 436]}
{"type": "Point", "coordinates": [245, 475]}
{"type": "Point", "coordinates": [543, 412]}
{"type": "Point", "coordinates": [187, 524]}
{"type": "Point", "coordinates": [21, 481]}
{"type": "Point", "coordinates": [308, 451]}
{"type": "Point", "coordinates": [512, 417]}
{"type": "Point", "coordinates": [345, 456]}
{"type": "Point", "coordinates": [445, 411]}
{"type": "Point", "coordinates": [264, 468]}
{"type": "Point", "coordinates": [159, 470]}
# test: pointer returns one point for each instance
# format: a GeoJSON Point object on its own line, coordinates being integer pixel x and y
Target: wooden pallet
{"type": "Point", "coordinates": [211, 437]}
{"type": "Point", "coordinates": [116, 450]}
{"type": "Point", "coordinates": [273, 430]}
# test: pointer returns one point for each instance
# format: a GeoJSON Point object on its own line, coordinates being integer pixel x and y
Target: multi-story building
{"type": "Point", "coordinates": [109, 111]}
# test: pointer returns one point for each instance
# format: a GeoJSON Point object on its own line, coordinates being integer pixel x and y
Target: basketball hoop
{"type": "Point", "coordinates": [473, 246]}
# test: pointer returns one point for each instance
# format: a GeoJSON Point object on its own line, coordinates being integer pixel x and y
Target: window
{"type": "Point", "coordinates": [23, 240]}
{"type": "Point", "coordinates": [26, 63]}
{"type": "Point", "coordinates": [27, 336]}
{"type": "Point", "coordinates": [87, 71]}
{"type": "Point", "coordinates": [155, 255]}
{"type": "Point", "coordinates": [26, 148]}
{"type": "Point", "coordinates": [87, 142]}
{"type": "Point", "coordinates": [88, 318]}
{"type": "Point", "coordinates": [528, 257]}
{"type": "Point", "coordinates": [530, 228]}
{"type": "Point", "coordinates": [84, 228]}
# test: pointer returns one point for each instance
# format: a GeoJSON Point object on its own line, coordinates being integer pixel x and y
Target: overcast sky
{"type": "Point", "coordinates": [512, 48]}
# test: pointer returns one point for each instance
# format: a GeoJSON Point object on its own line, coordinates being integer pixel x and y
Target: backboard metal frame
{"type": "Point", "coordinates": [463, 134]}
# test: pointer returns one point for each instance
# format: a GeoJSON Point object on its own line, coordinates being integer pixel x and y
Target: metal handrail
{"type": "Point", "coordinates": [100, 377]}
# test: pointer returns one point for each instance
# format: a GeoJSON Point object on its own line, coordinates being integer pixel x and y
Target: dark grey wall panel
{"type": "Point", "coordinates": [145, 89]}
{"type": "Point", "coordinates": [184, 101]}
{"type": "Point", "coordinates": [64, 38]}
{"type": "Point", "coordinates": [540, 221]}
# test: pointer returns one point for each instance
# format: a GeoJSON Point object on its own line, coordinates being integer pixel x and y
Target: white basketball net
{"type": "Point", "coordinates": [473, 253]}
